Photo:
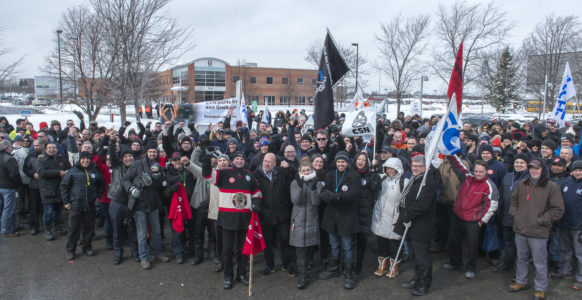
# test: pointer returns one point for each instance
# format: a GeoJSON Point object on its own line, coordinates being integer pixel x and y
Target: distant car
{"type": "Point", "coordinates": [41, 102]}
{"type": "Point", "coordinates": [17, 101]}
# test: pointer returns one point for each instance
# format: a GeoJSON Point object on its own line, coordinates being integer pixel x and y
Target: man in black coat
{"type": "Point", "coordinates": [10, 182]}
{"type": "Point", "coordinates": [340, 218]}
{"type": "Point", "coordinates": [417, 214]}
{"type": "Point", "coordinates": [325, 148]}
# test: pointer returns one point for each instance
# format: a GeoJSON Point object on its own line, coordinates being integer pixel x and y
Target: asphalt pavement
{"type": "Point", "coordinates": [33, 268]}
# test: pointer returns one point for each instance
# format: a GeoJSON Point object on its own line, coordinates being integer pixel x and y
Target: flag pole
{"type": "Point", "coordinates": [251, 275]}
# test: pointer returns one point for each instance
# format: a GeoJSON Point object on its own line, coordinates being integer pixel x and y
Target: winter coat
{"type": "Point", "coordinates": [477, 198]}
{"type": "Point", "coordinates": [20, 155]}
{"type": "Point", "coordinates": [419, 210]}
{"type": "Point", "coordinates": [153, 193]}
{"type": "Point", "coordinates": [31, 166]}
{"type": "Point", "coordinates": [535, 207]}
{"type": "Point", "coordinates": [496, 171]}
{"type": "Point", "coordinates": [507, 187]}
{"type": "Point", "coordinates": [9, 172]}
{"type": "Point", "coordinates": [49, 168]}
{"type": "Point", "coordinates": [328, 154]}
{"type": "Point", "coordinates": [386, 210]}
{"type": "Point", "coordinates": [305, 191]}
{"type": "Point", "coordinates": [572, 194]}
{"type": "Point", "coordinates": [370, 185]}
{"type": "Point", "coordinates": [201, 195]}
{"type": "Point", "coordinates": [451, 182]}
{"type": "Point", "coordinates": [81, 187]}
{"type": "Point", "coordinates": [117, 191]}
{"type": "Point", "coordinates": [275, 204]}
{"type": "Point", "coordinates": [340, 216]}
{"type": "Point", "coordinates": [173, 180]}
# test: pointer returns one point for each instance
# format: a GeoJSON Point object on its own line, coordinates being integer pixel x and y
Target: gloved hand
{"type": "Point", "coordinates": [79, 114]}
{"type": "Point", "coordinates": [146, 179]}
{"type": "Point", "coordinates": [135, 192]}
{"type": "Point", "coordinates": [174, 188]}
{"type": "Point", "coordinates": [407, 224]}
{"type": "Point", "coordinates": [126, 123]}
{"type": "Point", "coordinates": [255, 206]}
{"type": "Point", "coordinates": [326, 196]}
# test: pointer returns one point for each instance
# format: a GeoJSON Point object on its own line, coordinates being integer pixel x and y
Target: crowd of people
{"type": "Point", "coordinates": [512, 194]}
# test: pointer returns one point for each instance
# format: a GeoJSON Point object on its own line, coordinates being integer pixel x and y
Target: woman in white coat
{"type": "Point", "coordinates": [385, 215]}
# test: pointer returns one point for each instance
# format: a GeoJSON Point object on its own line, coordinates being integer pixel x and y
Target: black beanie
{"type": "Point", "coordinates": [523, 157]}
{"type": "Point", "coordinates": [152, 145]}
{"type": "Point", "coordinates": [84, 154]}
{"type": "Point", "coordinates": [549, 143]}
{"type": "Point", "coordinates": [487, 147]}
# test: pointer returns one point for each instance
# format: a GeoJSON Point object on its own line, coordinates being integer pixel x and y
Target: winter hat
{"type": "Point", "coordinates": [342, 155]}
{"type": "Point", "coordinates": [17, 138]}
{"type": "Point", "coordinates": [496, 150]}
{"type": "Point", "coordinates": [305, 137]}
{"type": "Point", "coordinates": [225, 157]}
{"type": "Point", "coordinates": [486, 147]}
{"type": "Point", "coordinates": [238, 154]}
{"type": "Point", "coordinates": [496, 143]}
{"type": "Point", "coordinates": [264, 141]}
{"type": "Point", "coordinates": [239, 123]}
{"type": "Point", "coordinates": [535, 163]}
{"type": "Point", "coordinates": [84, 154]}
{"type": "Point", "coordinates": [568, 137]}
{"type": "Point", "coordinates": [125, 151]}
{"type": "Point", "coordinates": [185, 138]}
{"type": "Point", "coordinates": [43, 125]}
{"type": "Point", "coordinates": [484, 136]}
{"type": "Point", "coordinates": [523, 157]}
{"type": "Point", "coordinates": [577, 165]}
{"type": "Point", "coordinates": [549, 143]}
{"type": "Point", "coordinates": [559, 161]}
{"type": "Point", "coordinates": [176, 155]}
{"type": "Point", "coordinates": [151, 145]}
{"type": "Point", "coordinates": [418, 149]}
{"type": "Point", "coordinates": [232, 141]}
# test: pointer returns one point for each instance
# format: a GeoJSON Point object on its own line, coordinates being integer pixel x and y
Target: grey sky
{"type": "Point", "coordinates": [274, 33]}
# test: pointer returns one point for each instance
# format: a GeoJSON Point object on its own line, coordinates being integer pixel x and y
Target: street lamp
{"type": "Point", "coordinates": [60, 72]}
{"type": "Point", "coordinates": [423, 78]}
{"type": "Point", "coordinates": [357, 62]}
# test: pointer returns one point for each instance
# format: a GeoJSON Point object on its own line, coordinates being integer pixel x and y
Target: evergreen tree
{"type": "Point", "coordinates": [502, 85]}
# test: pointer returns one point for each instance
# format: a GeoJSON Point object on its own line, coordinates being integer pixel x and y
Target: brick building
{"type": "Point", "coordinates": [210, 78]}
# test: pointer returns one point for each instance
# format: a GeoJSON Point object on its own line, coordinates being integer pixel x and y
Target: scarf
{"type": "Point", "coordinates": [408, 187]}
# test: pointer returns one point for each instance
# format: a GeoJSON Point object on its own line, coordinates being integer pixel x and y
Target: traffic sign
{"type": "Point", "coordinates": [25, 113]}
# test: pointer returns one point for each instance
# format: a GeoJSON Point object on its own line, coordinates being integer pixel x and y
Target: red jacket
{"type": "Point", "coordinates": [106, 173]}
{"type": "Point", "coordinates": [477, 199]}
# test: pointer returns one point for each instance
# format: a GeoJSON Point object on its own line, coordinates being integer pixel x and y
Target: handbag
{"type": "Point", "coordinates": [492, 240]}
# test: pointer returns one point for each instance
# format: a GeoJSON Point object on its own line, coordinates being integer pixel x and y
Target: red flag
{"type": "Point", "coordinates": [179, 209]}
{"type": "Point", "coordinates": [456, 82]}
{"type": "Point", "coordinates": [255, 243]}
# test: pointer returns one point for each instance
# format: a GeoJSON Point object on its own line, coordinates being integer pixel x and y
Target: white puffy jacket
{"type": "Point", "coordinates": [386, 208]}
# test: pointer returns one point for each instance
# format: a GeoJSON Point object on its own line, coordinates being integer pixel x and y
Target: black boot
{"type": "Point", "coordinates": [199, 252]}
{"type": "Point", "coordinates": [48, 234]}
{"type": "Point", "coordinates": [332, 270]}
{"type": "Point", "coordinates": [304, 279]}
{"type": "Point", "coordinates": [349, 280]}
{"type": "Point", "coordinates": [109, 243]}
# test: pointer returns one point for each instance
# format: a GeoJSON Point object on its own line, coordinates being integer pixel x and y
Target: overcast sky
{"type": "Point", "coordinates": [274, 33]}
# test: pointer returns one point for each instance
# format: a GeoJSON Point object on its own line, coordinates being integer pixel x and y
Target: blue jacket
{"type": "Point", "coordinates": [572, 194]}
{"type": "Point", "coordinates": [496, 171]}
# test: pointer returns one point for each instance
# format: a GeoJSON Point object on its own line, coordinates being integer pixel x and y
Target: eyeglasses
{"type": "Point", "coordinates": [416, 166]}
{"type": "Point", "coordinates": [289, 151]}
{"type": "Point", "coordinates": [70, 124]}
{"type": "Point", "coordinates": [321, 139]}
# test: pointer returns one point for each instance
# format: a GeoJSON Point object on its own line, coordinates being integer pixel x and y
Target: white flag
{"type": "Point", "coordinates": [567, 91]}
{"type": "Point", "coordinates": [360, 123]}
{"type": "Point", "coordinates": [450, 142]}
{"type": "Point", "coordinates": [308, 125]}
{"type": "Point", "coordinates": [243, 111]}
{"type": "Point", "coordinates": [266, 117]}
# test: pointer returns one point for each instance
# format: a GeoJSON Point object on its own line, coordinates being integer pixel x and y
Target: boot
{"type": "Point", "coordinates": [48, 234]}
{"type": "Point", "coordinates": [349, 280]}
{"type": "Point", "coordinates": [382, 265]}
{"type": "Point", "coordinates": [393, 270]}
{"type": "Point", "coordinates": [332, 270]}
{"type": "Point", "coordinates": [304, 279]}
{"type": "Point", "coordinates": [109, 243]}
{"type": "Point", "coordinates": [198, 253]}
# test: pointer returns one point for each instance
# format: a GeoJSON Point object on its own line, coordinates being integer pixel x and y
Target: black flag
{"type": "Point", "coordinates": [332, 67]}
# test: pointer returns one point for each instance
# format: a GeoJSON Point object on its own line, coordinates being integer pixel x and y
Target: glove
{"type": "Point", "coordinates": [126, 123]}
{"type": "Point", "coordinates": [255, 207]}
{"type": "Point", "coordinates": [174, 188]}
{"type": "Point", "coordinates": [326, 196]}
{"type": "Point", "coordinates": [146, 179]}
{"type": "Point", "coordinates": [78, 114]}
{"type": "Point", "coordinates": [407, 224]}
{"type": "Point", "coordinates": [141, 127]}
{"type": "Point", "coordinates": [135, 192]}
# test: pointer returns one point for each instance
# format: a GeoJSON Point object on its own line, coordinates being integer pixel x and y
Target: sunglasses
{"type": "Point", "coordinates": [321, 139]}
{"type": "Point", "coordinates": [69, 124]}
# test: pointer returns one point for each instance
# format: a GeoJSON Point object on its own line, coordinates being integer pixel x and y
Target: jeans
{"type": "Point", "coordinates": [104, 207]}
{"type": "Point", "coordinates": [8, 201]}
{"type": "Point", "coordinates": [177, 247]}
{"type": "Point", "coordinates": [142, 219]}
{"type": "Point", "coordinates": [554, 244]}
{"type": "Point", "coordinates": [122, 234]}
{"type": "Point", "coordinates": [52, 214]}
{"type": "Point", "coordinates": [346, 240]}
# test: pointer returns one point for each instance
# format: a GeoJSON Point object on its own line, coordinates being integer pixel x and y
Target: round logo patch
{"type": "Point", "coordinates": [344, 188]}
{"type": "Point", "coordinates": [231, 180]}
{"type": "Point", "coordinates": [248, 178]}
{"type": "Point", "coordinates": [490, 172]}
{"type": "Point", "coordinates": [324, 155]}
{"type": "Point", "coordinates": [364, 181]}
{"type": "Point", "coordinates": [239, 200]}
{"type": "Point", "coordinates": [557, 160]}
{"type": "Point", "coordinates": [164, 183]}
{"type": "Point", "coordinates": [92, 176]}
{"type": "Point", "coordinates": [565, 189]}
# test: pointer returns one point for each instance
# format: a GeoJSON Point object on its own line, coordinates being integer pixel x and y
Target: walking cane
{"type": "Point", "coordinates": [399, 249]}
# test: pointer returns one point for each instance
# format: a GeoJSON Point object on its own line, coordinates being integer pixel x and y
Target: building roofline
{"type": "Point", "coordinates": [226, 63]}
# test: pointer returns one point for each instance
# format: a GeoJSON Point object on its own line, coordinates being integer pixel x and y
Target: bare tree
{"type": "Point", "coordinates": [480, 27]}
{"type": "Point", "coordinates": [147, 39]}
{"type": "Point", "coordinates": [349, 53]}
{"type": "Point", "coordinates": [8, 67]}
{"type": "Point", "coordinates": [553, 41]}
{"type": "Point", "coordinates": [401, 42]}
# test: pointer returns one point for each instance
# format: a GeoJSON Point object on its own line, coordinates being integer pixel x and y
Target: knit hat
{"type": "Point", "coordinates": [84, 154]}
{"type": "Point", "coordinates": [549, 143]}
{"type": "Point", "coordinates": [238, 154]}
{"type": "Point", "coordinates": [523, 157]}
{"type": "Point", "coordinates": [496, 150]}
{"type": "Point", "coordinates": [151, 145]}
{"type": "Point", "coordinates": [342, 155]}
{"type": "Point", "coordinates": [496, 143]}
{"type": "Point", "coordinates": [232, 141]}
{"type": "Point", "coordinates": [239, 123]}
{"type": "Point", "coordinates": [224, 156]}
{"type": "Point", "coordinates": [185, 138]}
{"type": "Point", "coordinates": [486, 147]}
{"type": "Point", "coordinates": [17, 138]}
{"type": "Point", "coordinates": [568, 137]}
{"type": "Point", "coordinates": [43, 125]}
{"type": "Point", "coordinates": [263, 141]}
{"type": "Point", "coordinates": [577, 165]}
{"type": "Point", "coordinates": [484, 136]}
{"type": "Point", "coordinates": [125, 151]}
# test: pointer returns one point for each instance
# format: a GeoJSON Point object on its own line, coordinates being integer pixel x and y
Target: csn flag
{"type": "Point", "coordinates": [567, 91]}
{"type": "Point", "coordinates": [332, 67]}
{"type": "Point", "coordinates": [361, 122]}
{"type": "Point", "coordinates": [450, 142]}
{"type": "Point", "coordinates": [266, 115]}
{"type": "Point", "coordinates": [254, 243]}
{"type": "Point", "coordinates": [243, 111]}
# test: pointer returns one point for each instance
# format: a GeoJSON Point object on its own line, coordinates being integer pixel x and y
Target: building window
{"type": "Point", "coordinates": [285, 80]}
{"type": "Point", "coordinates": [284, 100]}
{"type": "Point", "coordinates": [253, 79]}
{"type": "Point", "coordinates": [235, 78]}
{"type": "Point", "coordinates": [175, 80]}
{"type": "Point", "coordinates": [311, 100]}
{"type": "Point", "coordinates": [269, 100]}
{"type": "Point", "coordinates": [299, 100]}
{"type": "Point", "coordinates": [269, 80]}
{"type": "Point", "coordinates": [299, 81]}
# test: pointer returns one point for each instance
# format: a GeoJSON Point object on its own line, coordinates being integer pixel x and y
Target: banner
{"type": "Point", "coordinates": [308, 125]}
{"type": "Point", "coordinates": [208, 112]}
{"type": "Point", "coordinates": [332, 67]}
{"type": "Point", "coordinates": [450, 143]}
{"type": "Point", "coordinates": [360, 123]}
{"type": "Point", "coordinates": [243, 111]}
{"type": "Point", "coordinates": [567, 91]}
{"type": "Point", "coordinates": [254, 243]}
